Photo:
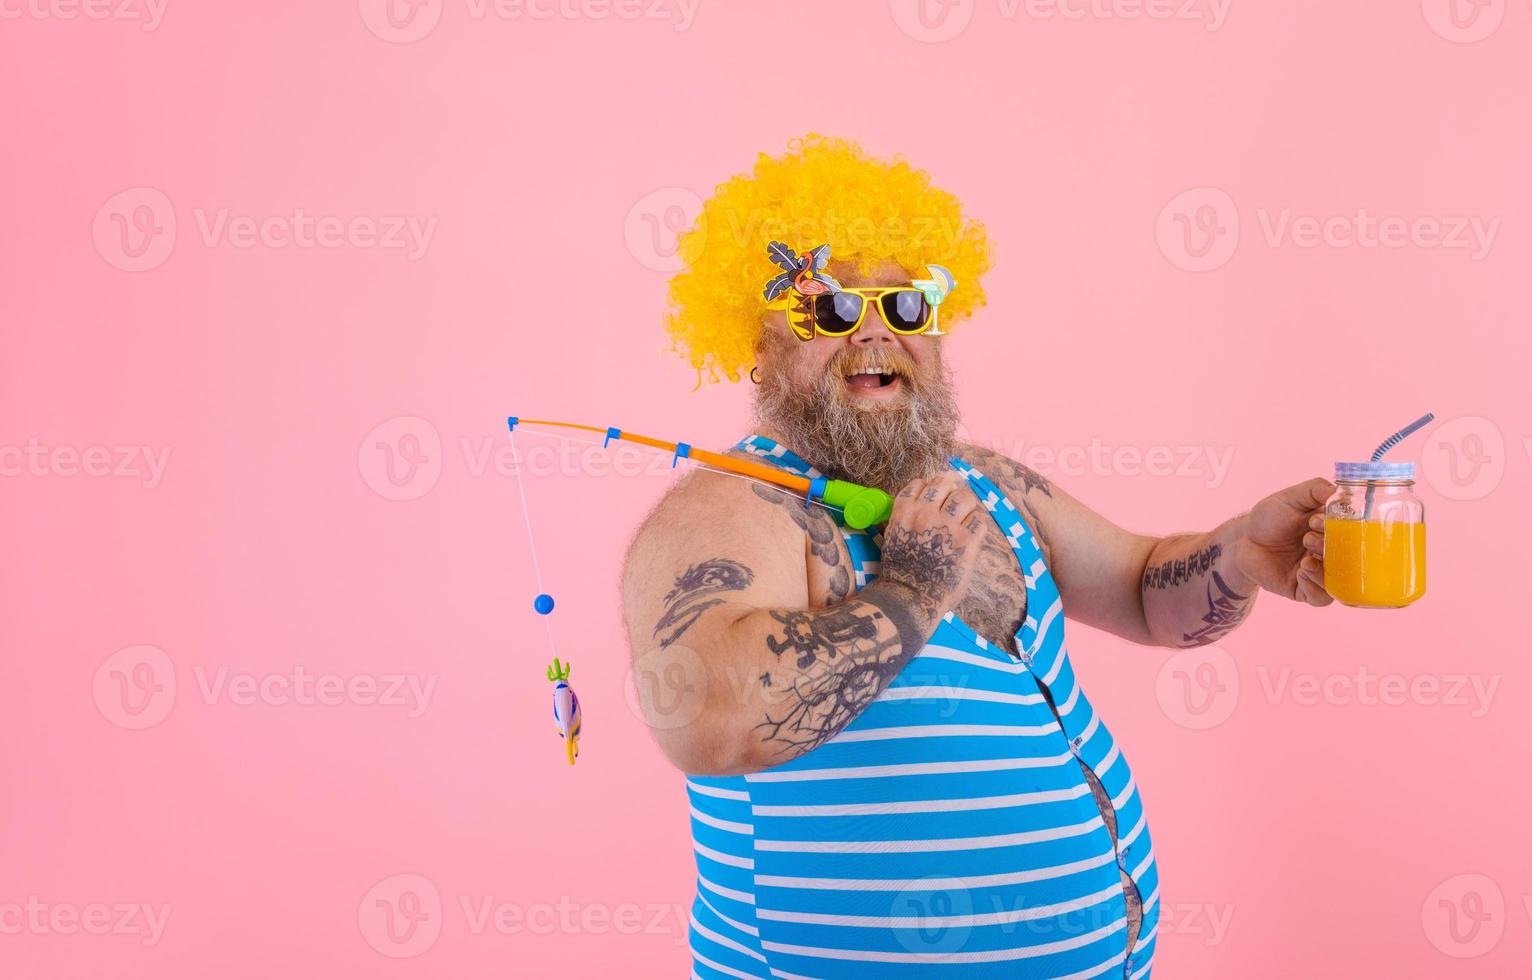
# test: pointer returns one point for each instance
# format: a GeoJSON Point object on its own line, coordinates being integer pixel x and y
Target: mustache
{"type": "Point", "coordinates": [891, 361]}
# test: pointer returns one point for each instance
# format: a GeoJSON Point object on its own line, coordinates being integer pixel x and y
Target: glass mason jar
{"type": "Point", "coordinates": [1375, 536]}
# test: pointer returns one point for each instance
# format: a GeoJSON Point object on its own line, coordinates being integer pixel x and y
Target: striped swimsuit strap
{"type": "Point", "coordinates": [1044, 606]}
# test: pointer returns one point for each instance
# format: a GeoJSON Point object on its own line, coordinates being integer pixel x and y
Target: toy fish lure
{"type": "Point", "coordinates": [566, 709]}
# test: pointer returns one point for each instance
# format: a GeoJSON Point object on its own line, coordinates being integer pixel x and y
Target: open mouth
{"type": "Point", "coordinates": [871, 380]}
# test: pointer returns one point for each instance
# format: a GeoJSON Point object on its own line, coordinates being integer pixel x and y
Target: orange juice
{"type": "Point", "coordinates": [1375, 564]}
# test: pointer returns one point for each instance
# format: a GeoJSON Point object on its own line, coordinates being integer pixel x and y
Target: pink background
{"type": "Point", "coordinates": [555, 157]}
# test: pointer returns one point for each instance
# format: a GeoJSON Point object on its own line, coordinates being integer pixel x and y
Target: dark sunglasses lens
{"type": "Point", "coordinates": [837, 313]}
{"type": "Point", "coordinates": [907, 311]}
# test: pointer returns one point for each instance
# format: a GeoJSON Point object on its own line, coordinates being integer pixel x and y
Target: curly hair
{"type": "Point", "coordinates": [823, 190]}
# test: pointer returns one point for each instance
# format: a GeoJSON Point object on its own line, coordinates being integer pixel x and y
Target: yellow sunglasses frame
{"type": "Point", "coordinates": [871, 297]}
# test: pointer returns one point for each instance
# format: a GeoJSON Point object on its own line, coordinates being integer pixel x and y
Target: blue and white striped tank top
{"type": "Point", "coordinates": [947, 831]}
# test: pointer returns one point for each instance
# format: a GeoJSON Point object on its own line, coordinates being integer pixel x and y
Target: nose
{"type": "Point", "coordinates": [874, 331]}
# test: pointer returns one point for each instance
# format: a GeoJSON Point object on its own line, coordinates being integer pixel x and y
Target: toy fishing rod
{"type": "Point", "coordinates": [861, 506]}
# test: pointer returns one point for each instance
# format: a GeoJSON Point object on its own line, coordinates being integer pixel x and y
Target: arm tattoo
{"type": "Point", "coordinates": [1018, 481]}
{"type": "Point", "coordinates": [847, 655]}
{"type": "Point", "coordinates": [1226, 610]}
{"type": "Point", "coordinates": [823, 535]}
{"type": "Point", "coordinates": [924, 561]}
{"type": "Point", "coordinates": [823, 633]}
{"type": "Point", "coordinates": [697, 589]}
{"type": "Point", "coordinates": [1013, 473]}
{"type": "Point", "coordinates": [1176, 571]}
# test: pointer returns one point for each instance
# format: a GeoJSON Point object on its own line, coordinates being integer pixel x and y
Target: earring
{"type": "Point", "coordinates": [753, 378]}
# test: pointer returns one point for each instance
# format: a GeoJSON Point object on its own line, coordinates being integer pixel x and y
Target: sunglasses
{"type": "Point", "coordinates": [904, 309]}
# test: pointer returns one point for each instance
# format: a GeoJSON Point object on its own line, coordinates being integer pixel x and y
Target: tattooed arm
{"type": "Point", "coordinates": [1193, 589]}
{"type": "Point", "coordinates": [736, 669]}
{"type": "Point", "coordinates": [1179, 590]}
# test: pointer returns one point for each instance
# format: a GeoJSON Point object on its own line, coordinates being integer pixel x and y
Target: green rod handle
{"type": "Point", "coordinates": [862, 506]}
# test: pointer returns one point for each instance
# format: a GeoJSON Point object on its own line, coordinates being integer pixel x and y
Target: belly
{"type": "Point", "coordinates": [949, 820]}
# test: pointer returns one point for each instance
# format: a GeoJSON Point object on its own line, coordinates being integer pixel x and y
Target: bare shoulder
{"type": "Point", "coordinates": [1028, 489]}
{"type": "Point", "coordinates": [711, 524]}
{"type": "Point", "coordinates": [1010, 474]}
{"type": "Point", "coordinates": [706, 504]}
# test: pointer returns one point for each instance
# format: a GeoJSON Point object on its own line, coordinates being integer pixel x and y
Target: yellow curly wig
{"type": "Point", "coordinates": [823, 190]}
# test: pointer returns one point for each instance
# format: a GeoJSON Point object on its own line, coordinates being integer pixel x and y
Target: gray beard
{"type": "Point", "coordinates": [883, 446]}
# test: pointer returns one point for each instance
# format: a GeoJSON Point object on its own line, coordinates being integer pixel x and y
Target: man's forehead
{"type": "Point", "coordinates": [884, 272]}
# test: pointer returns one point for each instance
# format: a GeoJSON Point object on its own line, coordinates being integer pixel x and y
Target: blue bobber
{"type": "Point", "coordinates": [543, 604]}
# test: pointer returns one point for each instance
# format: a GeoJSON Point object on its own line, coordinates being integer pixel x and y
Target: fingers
{"type": "Point", "coordinates": [1310, 494]}
{"type": "Point", "coordinates": [1311, 581]}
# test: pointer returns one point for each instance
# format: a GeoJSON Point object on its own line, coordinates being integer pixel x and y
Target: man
{"type": "Point", "coordinates": [892, 769]}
